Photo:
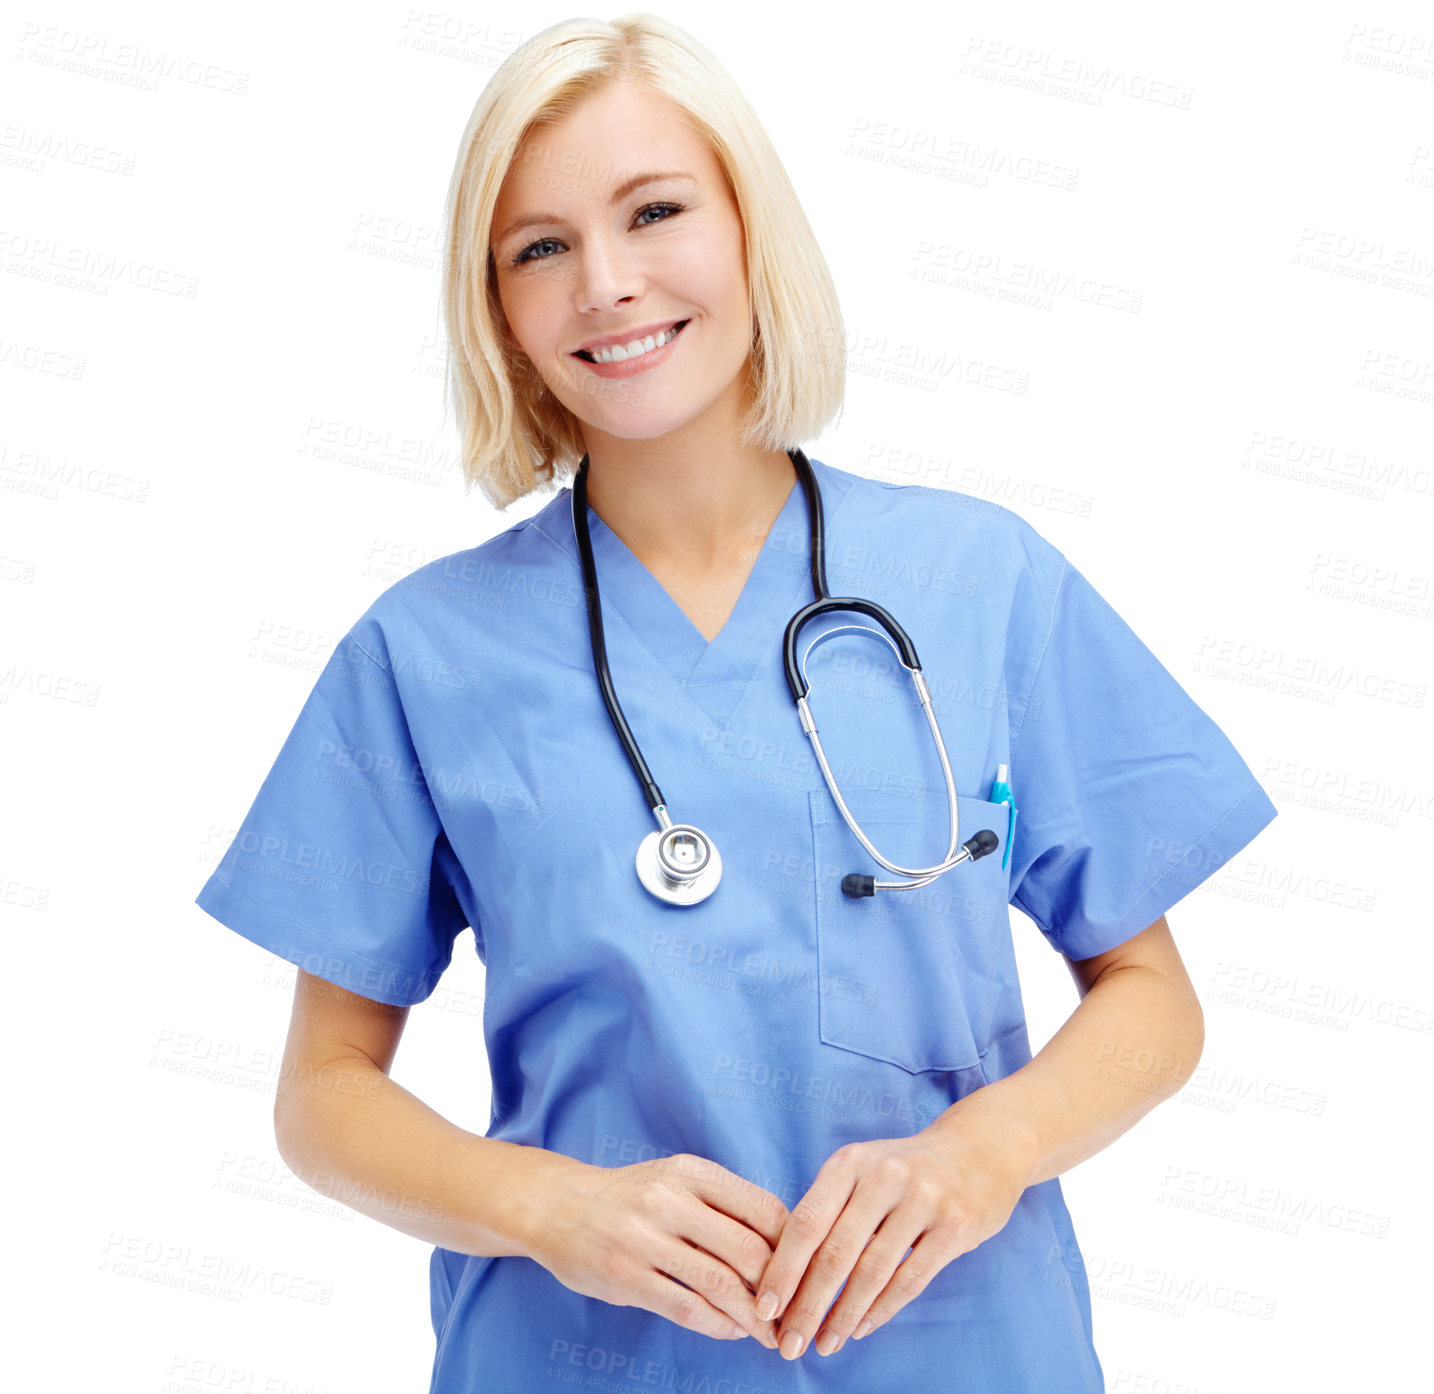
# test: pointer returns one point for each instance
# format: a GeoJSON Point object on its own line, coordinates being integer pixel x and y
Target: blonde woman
{"type": "Point", "coordinates": [762, 1118]}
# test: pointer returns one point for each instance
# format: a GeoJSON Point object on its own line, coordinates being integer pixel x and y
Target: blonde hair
{"type": "Point", "coordinates": [514, 434]}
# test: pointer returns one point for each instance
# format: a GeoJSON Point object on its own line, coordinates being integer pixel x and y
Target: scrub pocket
{"type": "Point", "coordinates": [908, 976]}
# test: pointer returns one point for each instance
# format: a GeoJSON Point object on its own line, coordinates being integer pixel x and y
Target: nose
{"type": "Point", "coordinates": [607, 274]}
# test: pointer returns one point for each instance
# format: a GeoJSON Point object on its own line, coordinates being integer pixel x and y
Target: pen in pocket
{"type": "Point", "coordinates": [1001, 793]}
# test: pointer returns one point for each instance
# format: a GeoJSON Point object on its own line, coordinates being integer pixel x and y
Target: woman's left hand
{"type": "Point", "coordinates": [943, 1190]}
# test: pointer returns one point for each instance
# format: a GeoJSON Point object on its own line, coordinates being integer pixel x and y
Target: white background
{"type": "Point", "coordinates": [220, 356]}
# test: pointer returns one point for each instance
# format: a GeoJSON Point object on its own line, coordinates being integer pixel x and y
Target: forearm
{"type": "Point", "coordinates": [353, 1134]}
{"type": "Point", "coordinates": [1134, 1040]}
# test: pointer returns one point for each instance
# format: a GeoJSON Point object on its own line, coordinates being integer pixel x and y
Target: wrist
{"type": "Point", "coordinates": [999, 1121]}
{"type": "Point", "coordinates": [541, 1181]}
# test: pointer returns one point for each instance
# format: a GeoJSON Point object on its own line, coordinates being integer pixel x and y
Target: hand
{"type": "Point", "coordinates": [680, 1236]}
{"type": "Point", "coordinates": [939, 1194]}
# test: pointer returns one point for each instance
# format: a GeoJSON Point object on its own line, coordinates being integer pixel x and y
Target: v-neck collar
{"type": "Point", "coordinates": [713, 673]}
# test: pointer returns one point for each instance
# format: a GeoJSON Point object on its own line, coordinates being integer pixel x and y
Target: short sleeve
{"type": "Point", "coordinates": [342, 865]}
{"type": "Point", "coordinates": [1127, 794]}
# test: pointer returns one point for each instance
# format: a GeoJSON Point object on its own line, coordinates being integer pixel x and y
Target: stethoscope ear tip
{"type": "Point", "coordinates": [857, 884]}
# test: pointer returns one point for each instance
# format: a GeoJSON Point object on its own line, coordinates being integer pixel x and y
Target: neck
{"type": "Point", "coordinates": [688, 501]}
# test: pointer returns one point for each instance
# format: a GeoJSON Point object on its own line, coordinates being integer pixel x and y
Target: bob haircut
{"type": "Point", "coordinates": [514, 434]}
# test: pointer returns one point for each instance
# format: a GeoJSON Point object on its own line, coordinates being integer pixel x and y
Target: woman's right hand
{"type": "Point", "coordinates": [623, 1234]}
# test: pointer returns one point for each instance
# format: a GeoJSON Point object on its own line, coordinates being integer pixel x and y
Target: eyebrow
{"type": "Point", "coordinates": [618, 194]}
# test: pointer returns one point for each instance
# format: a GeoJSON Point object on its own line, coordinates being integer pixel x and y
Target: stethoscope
{"type": "Point", "coordinates": [678, 862]}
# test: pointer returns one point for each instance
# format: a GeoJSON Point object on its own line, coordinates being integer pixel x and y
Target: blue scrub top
{"type": "Point", "coordinates": [455, 766]}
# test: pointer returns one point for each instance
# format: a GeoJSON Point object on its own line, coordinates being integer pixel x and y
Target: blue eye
{"type": "Point", "coordinates": [529, 253]}
{"type": "Point", "coordinates": [524, 255]}
{"type": "Point", "coordinates": [659, 207]}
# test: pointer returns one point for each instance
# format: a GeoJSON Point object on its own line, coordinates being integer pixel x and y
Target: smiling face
{"type": "Point", "coordinates": [604, 250]}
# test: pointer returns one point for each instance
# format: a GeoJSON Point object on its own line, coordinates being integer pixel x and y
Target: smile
{"type": "Point", "coordinates": [638, 348]}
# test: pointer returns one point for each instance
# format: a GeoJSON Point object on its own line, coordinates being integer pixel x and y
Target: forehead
{"type": "Point", "coordinates": [621, 130]}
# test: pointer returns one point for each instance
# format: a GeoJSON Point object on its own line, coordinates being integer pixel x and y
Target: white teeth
{"type": "Point", "coordinates": [620, 353]}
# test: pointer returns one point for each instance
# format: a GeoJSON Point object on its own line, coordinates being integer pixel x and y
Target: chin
{"type": "Point", "coordinates": [642, 422]}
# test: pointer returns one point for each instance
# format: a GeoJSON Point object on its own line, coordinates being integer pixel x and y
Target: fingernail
{"type": "Point", "coordinates": [792, 1344]}
{"type": "Point", "coordinates": [767, 1306]}
{"type": "Point", "coordinates": [862, 1329]}
{"type": "Point", "coordinates": [826, 1342]}
{"type": "Point", "coordinates": [738, 1330]}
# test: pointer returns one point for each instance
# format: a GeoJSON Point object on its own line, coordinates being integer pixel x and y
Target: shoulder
{"type": "Point", "coordinates": [1005, 554]}
{"type": "Point", "coordinates": [478, 590]}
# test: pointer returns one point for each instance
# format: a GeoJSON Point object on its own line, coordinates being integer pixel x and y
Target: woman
{"type": "Point", "coordinates": [773, 1110]}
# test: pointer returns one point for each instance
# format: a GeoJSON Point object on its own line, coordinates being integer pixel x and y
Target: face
{"type": "Point", "coordinates": [601, 254]}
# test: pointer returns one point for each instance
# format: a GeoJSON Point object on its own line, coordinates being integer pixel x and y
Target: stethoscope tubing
{"type": "Point", "coordinates": [797, 683]}
{"type": "Point", "coordinates": [650, 790]}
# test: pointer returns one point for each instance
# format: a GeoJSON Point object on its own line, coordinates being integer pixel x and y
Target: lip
{"type": "Point", "coordinates": [631, 367]}
{"type": "Point", "coordinates": [628, 335]}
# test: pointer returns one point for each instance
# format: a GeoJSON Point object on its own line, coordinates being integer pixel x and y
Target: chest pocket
{"type": "Point", "coordinates": [908, 976]}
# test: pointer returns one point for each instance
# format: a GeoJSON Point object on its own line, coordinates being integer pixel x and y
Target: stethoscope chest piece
{"type": "Point", "coordinates": [679, 864]}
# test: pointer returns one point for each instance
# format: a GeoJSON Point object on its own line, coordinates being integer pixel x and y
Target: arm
{"type": "Point", "coordinates": [680, 1236]}
{"type": "Point", "coordinates": [344, 1127]}
{"type": "Point", "coordinates": [1133, 1040]}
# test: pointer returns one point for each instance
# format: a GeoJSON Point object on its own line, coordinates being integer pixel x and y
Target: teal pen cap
{"type": "Point", "coordinates": [1001, 793]}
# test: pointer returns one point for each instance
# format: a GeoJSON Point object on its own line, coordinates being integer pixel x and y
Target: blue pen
{"type": "Point", "coordinates": [1001, 793]}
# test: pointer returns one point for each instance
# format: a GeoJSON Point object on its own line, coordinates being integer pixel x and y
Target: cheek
{"type": "Point", "coordinates": [735, 281]}
{"type": "Point", "coordinates": [510, 320]}
{"type": "Point", "coordinates": [530, 319]}
{"type": "Point", "coordinates": [720, 289]}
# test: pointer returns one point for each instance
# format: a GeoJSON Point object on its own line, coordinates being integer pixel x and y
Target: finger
{"type": "Point", "coordinates": [734, 1195]}
{"type": "Point", "coordinates": [888, 1248]}
{"type": "Point", "coordinates": [741, 1251]}
{"type": "Point", "coordinates": [928, 1256]}
{"type": "Point", "coordinates": [709, 1278]}
{"type": "Point", "coordinates": [807, 1226]}
{"type": "Point", "coordinates": [659, 1292]}
{"type": "Point", "coordinates": [724, 1286]}
{"type": "Point", "coordinates": [718, 1255]}
{"type": "Point", "coordinates": [735, 1243]}
{"type": "Point", "coordinates": [836, 1258]}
